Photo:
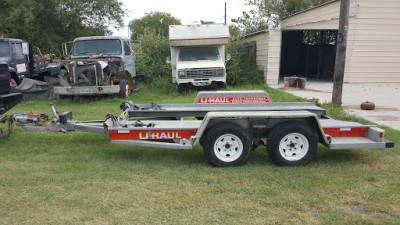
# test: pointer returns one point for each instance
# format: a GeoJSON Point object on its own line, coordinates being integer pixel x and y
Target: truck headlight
{"type": "Point", "coordinates": [220, 72]}
{"type": "Point", "coordinates": [181, 73]}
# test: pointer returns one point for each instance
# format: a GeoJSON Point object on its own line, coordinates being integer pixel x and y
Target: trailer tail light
{"type": "Point", "coordinates": [346, 132]}
{"type": "Point", "coordinates": [381, 135]}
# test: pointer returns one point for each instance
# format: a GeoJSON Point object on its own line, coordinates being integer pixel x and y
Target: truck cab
{"type": "Point", "coordinates": [198, 55]}
{"type": "Point", "coordinates": [18, 55]}
{"type": "Point", "coordinates": [105, 46]}
{"type": "Point", "coordinates": [99, 65]}
{"type": "Point", "coordinates": [11, 53]}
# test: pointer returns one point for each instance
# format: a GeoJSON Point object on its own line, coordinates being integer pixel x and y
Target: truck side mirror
{"type": "Point", "coordinates": [25, 48]}
{"type": "Point", "coordinates": [168, 60]}
{"type": "Point", "coordinates": [228, 57]}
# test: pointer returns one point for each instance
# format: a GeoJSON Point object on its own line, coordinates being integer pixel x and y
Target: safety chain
{"type": "Point", "coordinates": [7, 132]}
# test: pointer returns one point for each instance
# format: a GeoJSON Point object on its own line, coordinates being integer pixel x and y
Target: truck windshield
{"type": "Point", "coordinates": [199, 53]}
{"type": "Point", "coordinates": [96, 47]}
{"type": "Point", "coordinates": [4, 49]}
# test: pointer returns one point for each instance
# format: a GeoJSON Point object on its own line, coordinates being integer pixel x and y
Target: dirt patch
{"type": "Point", "coordinates": [357, 209]}
{"type": "Point", "coordinates": [375, 167]}
{"type": "Point", "coordinates": [302, 89]}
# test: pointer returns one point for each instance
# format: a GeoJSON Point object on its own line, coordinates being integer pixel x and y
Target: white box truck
{"type": "Point", "coordinates": [198, 55]}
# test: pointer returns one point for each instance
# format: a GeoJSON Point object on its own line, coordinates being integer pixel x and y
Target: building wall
{"type": "Point", "coordinates": [274, 56]}
{"type": "Point", "coordinates": [268, 53]}
{"type": "Point", "coordinates": [262, 42]}
{"type": "Point", "coordinates": [373, 53]}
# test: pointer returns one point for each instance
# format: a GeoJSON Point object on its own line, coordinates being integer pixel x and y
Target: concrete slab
{"type": "Point", "coordinates": [386, 97]}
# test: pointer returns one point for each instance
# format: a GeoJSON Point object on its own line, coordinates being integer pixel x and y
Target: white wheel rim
{"type": "Point", "coordinates": [293, 146]}
{"type": "Point", "coordinates": [228, 148]}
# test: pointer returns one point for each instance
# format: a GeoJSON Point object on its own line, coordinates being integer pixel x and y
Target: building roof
{"type": "Point", "coordinates": [317, 6]}
{"type": "Point", "coordinates": [256, 33]}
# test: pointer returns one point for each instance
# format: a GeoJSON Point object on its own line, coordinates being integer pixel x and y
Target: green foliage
{"type": "Point", "coordinates": [240, 69]}
{"type": "Point", "coordinates": [49, 23]}
{"type": "Point", "coordinates": [157, 22]}
{"type": "Point", "coordinates": [151, 60]}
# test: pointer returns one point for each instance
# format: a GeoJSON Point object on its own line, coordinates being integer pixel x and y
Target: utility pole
{"type": "Point", "coordinates": [225, 12]}
{"type": "Point", "coordinates": [340, 60]}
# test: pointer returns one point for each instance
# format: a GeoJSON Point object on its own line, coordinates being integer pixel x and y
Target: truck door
{"type": "Point", "coordinates": [129, 58]}
{"type": "Point", "coordinates": [19, 59]}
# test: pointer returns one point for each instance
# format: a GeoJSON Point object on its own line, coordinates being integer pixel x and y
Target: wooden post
{"type": "Point", "coordinates": [225, 13]}
{"type": "Point", "coordinates": [340, 60]}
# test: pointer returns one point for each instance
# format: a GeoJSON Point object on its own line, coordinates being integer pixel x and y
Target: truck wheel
{"type": "Point", "coordinates": [227, 145]}
{"type": "Point", "coordinates": [124, 89]}
{"type": "Point", "coordinates": [222, 86]}
{"type": "Point", "coordinates": [291, 145]}
{"type": "Point", "coordinates": [180, 88]}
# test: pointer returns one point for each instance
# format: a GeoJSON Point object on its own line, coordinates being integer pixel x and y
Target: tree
{"type": "Point", "coordinates": [157, 22]}
{"type": "Point", "coordinates": [267, 13]}
{"type": "Point", "coordinates": [49, 23]}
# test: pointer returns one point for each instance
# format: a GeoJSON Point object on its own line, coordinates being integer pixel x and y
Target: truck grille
{"type": "Point", "coordinates": [199, 73]}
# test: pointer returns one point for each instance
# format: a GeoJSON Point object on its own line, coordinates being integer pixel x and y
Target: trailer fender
{"type": "Point", "coordinates": [213, 119]}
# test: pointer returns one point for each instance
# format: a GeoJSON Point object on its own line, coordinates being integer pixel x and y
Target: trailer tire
{"type": "Point", "coordinates": [227, 145]}
{"type": "Point", "coordinates": [291, 145]}
{"type": "Point", "coordinates": [124, 91]}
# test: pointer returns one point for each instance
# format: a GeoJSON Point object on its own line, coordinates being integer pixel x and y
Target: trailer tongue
{"type": "Point", "coordinates": [229, 126]}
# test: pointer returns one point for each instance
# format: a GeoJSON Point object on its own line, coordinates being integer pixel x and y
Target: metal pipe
{"type": "Point", "coordinates": [54, 111]}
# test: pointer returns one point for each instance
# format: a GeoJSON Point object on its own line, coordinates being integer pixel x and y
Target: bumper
{"type": "Point", "coordinates": [87, 90]}
{"type": "Point", "coordinates": [8, 101]}
{"type": "Point", "coordinates": [201, 82]}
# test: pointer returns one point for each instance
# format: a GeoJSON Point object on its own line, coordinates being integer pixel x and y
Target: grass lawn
{"type": "Point", "coordinates": [80, 178]}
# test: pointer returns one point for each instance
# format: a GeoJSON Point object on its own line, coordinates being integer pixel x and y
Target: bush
{"type": "Point", "coordinates": [240, 69]}
{"type": "Point", "coordinates": [151, 59]}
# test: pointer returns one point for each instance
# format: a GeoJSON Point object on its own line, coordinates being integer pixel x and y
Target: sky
{"type": "Point", "coordinates": [187, 11]}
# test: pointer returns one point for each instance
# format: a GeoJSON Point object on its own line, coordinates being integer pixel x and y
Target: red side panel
{"type": "Point", "coordinates": [233, 100]}
{"type": "Point", "coordinates": [150, 134]}
{"type": "Point", "coordinates": [346, 132]}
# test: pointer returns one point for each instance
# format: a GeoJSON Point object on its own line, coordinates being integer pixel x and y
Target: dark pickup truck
{"type": "Point", "coordinates": [7, 100]}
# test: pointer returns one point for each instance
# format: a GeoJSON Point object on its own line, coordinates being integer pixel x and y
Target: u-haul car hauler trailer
{"type": "Point", "coordinates": [230, 126]}
{"type": "Point", "coordinates": [198, 55]}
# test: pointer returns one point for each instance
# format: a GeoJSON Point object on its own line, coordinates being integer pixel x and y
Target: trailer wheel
{"type": "Point", "coordinates": [227, 145]}
{"type": "Point", "coordinates": [291, 145]}
{"type": "Point", "coordinates": [124, 89]}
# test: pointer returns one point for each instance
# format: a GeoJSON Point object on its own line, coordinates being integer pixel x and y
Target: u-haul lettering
{"type": "Point", "coordinates": [124, 134]}
{"type": "Point", "coordinates": [214, 100]}
{"type": "Point", "coordinates": [164, 135]}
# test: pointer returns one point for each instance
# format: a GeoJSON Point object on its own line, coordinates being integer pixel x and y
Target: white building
{"type": "Point", "coordinates": [304, 45]}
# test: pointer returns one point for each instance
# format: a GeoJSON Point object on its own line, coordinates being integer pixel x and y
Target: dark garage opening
{"type": "Point", "coordinates": [308, 53]}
